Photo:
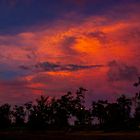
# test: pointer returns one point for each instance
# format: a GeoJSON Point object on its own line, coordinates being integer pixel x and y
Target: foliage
{"type": "Point", "coordinates": [56, 113]}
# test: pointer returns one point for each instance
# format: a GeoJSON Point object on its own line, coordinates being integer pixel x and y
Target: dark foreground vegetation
{"type": "Point", "coordinates": [51, 118]}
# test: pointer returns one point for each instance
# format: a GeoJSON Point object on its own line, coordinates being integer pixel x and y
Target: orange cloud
{"type": "Point", "coordinates": [88, 43]}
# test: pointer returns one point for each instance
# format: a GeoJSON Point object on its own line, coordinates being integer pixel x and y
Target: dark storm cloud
{"type": "Point", "coordinates": [47, 66]}
{"type": "Point", "coordinates": [121, 72]}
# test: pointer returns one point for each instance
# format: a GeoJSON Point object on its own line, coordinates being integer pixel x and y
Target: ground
{"type": "Point", "coordinates": [86, 135]}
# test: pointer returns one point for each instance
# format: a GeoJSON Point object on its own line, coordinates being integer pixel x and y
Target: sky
{"type": "Point", "coordinates": [49, 47]}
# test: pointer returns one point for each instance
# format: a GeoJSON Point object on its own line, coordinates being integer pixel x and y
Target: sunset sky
{"type": "Point", "coordinates": [50, 47]}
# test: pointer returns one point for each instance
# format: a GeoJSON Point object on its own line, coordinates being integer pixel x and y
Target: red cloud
{"type": "Point", "coordinates": [68, 43]}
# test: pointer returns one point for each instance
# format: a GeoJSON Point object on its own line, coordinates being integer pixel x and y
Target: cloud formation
{"type": "Point", "coordinates": [54, 67]}
{"type": "Point", "coordinates": [48, 47]}
{"type": "Point", "coordinates": [121, 72]}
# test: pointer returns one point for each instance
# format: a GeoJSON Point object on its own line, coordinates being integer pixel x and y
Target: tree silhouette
{"type": "Point", "coordinates": [5, 116]}
{"type": "Point", "coordinates": [99, 111]}
{"type": "Point", "coordinates": [125, 107]}
{"type": "Point", "coordinates": [137, 110]}
{"type": "Point", "coordinates": [114, 119]}
{"type": "Point", "coordinates": [56, 113]}
{"type": "Point", "coordinates": [137, 104]}
{"type": "Point", "coordinates": [19, 115]}
{"type": "Point", "coordinates": [118, 114]}
{"type": "Point", "coordinates": [79, 111]}
{"type": "Point", "coordinates": [62, 109]}
{"type": "Point", "coordinates": [38, 116]}
{"type": "Point", "coordinates": [28, 110]}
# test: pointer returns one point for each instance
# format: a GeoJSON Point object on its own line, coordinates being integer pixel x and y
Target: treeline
{"type": "Point", "coordinates": [53, 113]}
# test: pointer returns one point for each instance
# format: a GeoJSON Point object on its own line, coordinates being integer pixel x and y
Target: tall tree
{"type": "Point", "coordinates": [137, 103]}
{"type": "Point", "coordinates": [99, 111]}
{"type": "Point", "coordinates": [125, 107]}
{"type": "Point", "coordinates": [19, 115]}
{"type": "Point", "coordinates": [63, 109]}
{"type": "Point", "coordinates": [81, 113]}
{"type": "Point", "coordinates": [38, 117]}
{"type": "Point", "coordinates": [118, 113]}
{"type": "Point", "coordinates": [5, 116]}
{"type": "Point", "coordinates": [114, 116]}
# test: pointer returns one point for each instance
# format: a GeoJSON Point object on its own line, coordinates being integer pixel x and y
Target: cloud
{"type": "Point", "coordinates": [121, 72]}
{"type": "Point", "coordinates": [101, 36]}
{"type": "Point", "coordinates": [67, 45]}
{"type": "Point", "coordinates": [51, 67]}
{"type": "Point", "coordinates": [17, 91]}
{"type": "Point", "coordinates": [57, 57]}
{"type": "Point", "coordinates": [24, 67]}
